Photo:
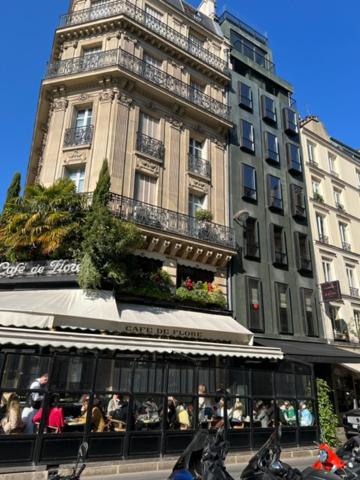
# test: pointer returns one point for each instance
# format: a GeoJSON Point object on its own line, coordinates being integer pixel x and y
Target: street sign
{"type": "Point", "coordinates": [331, 291]}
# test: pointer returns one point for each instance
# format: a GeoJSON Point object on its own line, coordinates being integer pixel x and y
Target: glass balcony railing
{"type": "Point", "coordinates": [128, 8]}
{"type": "Point", "coordinates": [118, 58]}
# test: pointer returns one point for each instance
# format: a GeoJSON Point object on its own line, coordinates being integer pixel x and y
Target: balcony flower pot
{"type": "Point", "coordinates": [203, 215]}
{"type": "Point", "coordinates": [318, 198]}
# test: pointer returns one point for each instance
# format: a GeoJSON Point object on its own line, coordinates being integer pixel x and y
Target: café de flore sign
{"type": "Point", "coordinates": [45, 270]}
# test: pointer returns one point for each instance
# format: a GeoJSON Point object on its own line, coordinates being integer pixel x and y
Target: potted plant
{"type": "Point", "coordinates": [203, 215]}
{"type": "Point", "coordinates": [318, 197]}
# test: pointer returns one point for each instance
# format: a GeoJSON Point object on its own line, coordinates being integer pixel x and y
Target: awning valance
{"type": "Point", "coordinates": [353, 367]}
{"type": "Point", "coordinates": [56, 339]}
{"type": "Point", "coordinates": [98, 310]}
{"type": "Point", "coordinates": [313, 352]}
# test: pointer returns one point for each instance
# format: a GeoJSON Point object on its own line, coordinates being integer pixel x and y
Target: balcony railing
{"type": "Point", "coordinates": [199, 165]}
{"type": "Point", "coordinates": [170, 221]}
{"type": "Point", "coordinates": [78, 136]}
{"type": "Point", "coordinates": [150, 146]}
{"type": "Point", "coordinates": [346, 246]}
{"type": "Point", "coordinates": [128, 8]}
{"type": "Point", "coordinates": [124, 60]}
{"type": "Point", "coordinates": [354, 292]}
{"type": "Point", "coordinates": [253, 55]}
{"type": "Point", "coordinates": [323, 239]}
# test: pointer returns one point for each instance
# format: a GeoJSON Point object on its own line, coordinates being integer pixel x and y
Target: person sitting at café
{"type": "Point", "coordinates": [172, 416]}
{"type": "Point", "coordinates": [113, 404]}
{"type": "Point", "coordinates": [236, 413]}
{"type": "Point", "coordinates": [98, 423]}
{"type": "Point", "coordinates": [55, 416]}
{"type": "Point", "coordinates": [121, 412]}
{"type": "Point", "coordinates": [11, 422]}
{"type": "Point", "coordinates": [288, 413]}
{"type": "Point", "coordinates": [261, 414]}
{"type": "Point", "coordinates": [305, 416]}
{"type": "Point", "coordinates": [205, 409]}
{"type": "Point", "coordinates": [182, 416]}
{"type": "Point", "coordinates": [148, 415]}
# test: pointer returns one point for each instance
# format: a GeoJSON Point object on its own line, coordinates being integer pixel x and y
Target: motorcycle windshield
{"type": "Point", "coordinates": [261, 458]}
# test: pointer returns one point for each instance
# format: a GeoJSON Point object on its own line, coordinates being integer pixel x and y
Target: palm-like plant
{"type": "Point", "coordinates": [45, 222]}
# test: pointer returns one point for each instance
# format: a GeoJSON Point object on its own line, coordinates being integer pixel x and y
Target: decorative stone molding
{"type": "Point", "coordinates": [107, 96]}
{"type": "Point", "coordinates": [178, 124]}
{"type": "Point", "coordinates": [60, 104]}
{"type": "Point", "coordinates": [76, 156]}
{"type": "Point", "coordinates": [124, 99]}
{"type": "Point", "coordinates": [220, 143]}
{"type": "Point", "coordinates": [83, 97]}
{"type": "Point", "coordinates": [148, 167]}
{"type": "Point", "coordinates": [198, 185]}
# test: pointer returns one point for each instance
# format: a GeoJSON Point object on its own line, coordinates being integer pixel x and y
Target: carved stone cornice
{"type": "Point", "coordinates": [198, 185]}
{"type": "Point", "coordinates": [175, 123]}
{"type": "Point", "coordinates": [106, 96]}
{"type": "Point", "coordinates": [147, 166]}
{"type": "Point", "coordinates": [59, 104]}
{"type": "Point", "coordinates": [220, 143]}
{"type": "Point", "coordinates": [124, 99]}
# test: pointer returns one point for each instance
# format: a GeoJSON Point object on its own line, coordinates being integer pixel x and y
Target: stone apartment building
{"type": "Point", "coordinates": [144, 85]}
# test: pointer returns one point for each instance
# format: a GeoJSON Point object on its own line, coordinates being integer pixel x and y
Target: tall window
{"type": "Point", "coordinates": [247, 136]}
{"type": "Point", "coordinates": [268, 109]}
{"type": "Point", "coordinates": [291, 125]}
{"type": "Point", "coordinates": [332, 163]}
{"type": "Point", "coordinates": [278, 246]}
{"type": "Point", "coordinates": [255, 305]}
{"type": "Point", "coordinates": [340, 327]}
{"type": "Point", "coordinates": [251, 233]}
{"type": "Point", "coordinates": [249, 183]}
{"type": "Point", "coordinates": [316, 189]}
{"type": "Point", "coordinates": [196, 202]}
{"type": "Point", "coordinates": [357, 322]}
{"type": "Point", "coordinates": [77, 175]}
{"type": "Point", "coordinates": [83, 118]}
{"type": "Point", "coordinates": [343, 228]}
{"type": "Point", "coordinates": [149, 126]}
{"type": "Point", "coordinates": [303, 256]}
{"type": "Point", "coordinates": [320, 223]}
{"type": "Point", "coordinates": [145, 188]}
{"type": "Point", "coordinates": [337, 199]}
{"type": "Point", "coordinates": [352, 281]}
{"type": "Point", "coordinates": [326, 265]}
{"type": "Point", "coordinates": [284, 308]}
{"type": "Point", "coordinates": [311, 152]}
{"type": "Point", "coordinates": [272, 147]}
{"type": "Point", "coordinates": [275, 193]}
{"type": "Point", "coordinates": [358, 178]}
{"type": "Point", "coordinates": [245, 96]}
{"type": "Point", "coordinates": [298, 202]}
{"type": "Point", "coordinates": [196, 148]}
{"type": "Point", "coordinates": [294, 158]}
{"type": "Point", "coordinates": [309, 313]}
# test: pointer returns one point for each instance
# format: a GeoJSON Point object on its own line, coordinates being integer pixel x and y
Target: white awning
{"type": "Point", "coordinates": [354, 367]}
{"type": "Point", "coordinates": [17, 336]}
{"type": "Point", "coordinates": [29, 320]}
{"type": "Point", "coordinates": [98, 310]}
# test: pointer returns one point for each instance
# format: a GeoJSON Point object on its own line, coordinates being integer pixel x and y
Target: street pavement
{"type": "Point", "coordinates": [234, 470]}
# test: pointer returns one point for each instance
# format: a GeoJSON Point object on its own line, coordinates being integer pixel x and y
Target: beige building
{"type": "Point", "coordinates": [333, 181]}
{"type": "Point", "coordinates": [143, 84]}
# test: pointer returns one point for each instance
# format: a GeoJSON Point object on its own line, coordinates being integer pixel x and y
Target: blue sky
{"type": "Point", "coordinates": [315, 44]}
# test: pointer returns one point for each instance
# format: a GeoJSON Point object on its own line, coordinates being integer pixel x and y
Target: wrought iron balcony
{"type": "Point", "coordinates": [346, 246]}
{"type": "Point", "coordinates": [170, 221]}
{"type": "Point", "coordinates": [124, 60]}
{"type": "Point", "coordinates": [354, 292]}
{"type": "Point", "coordinates": [199, 165]}
{"type": "Point", "coordinates": [78, 136]}
{"type": "Point", "coordinates": [150, 146]}
{"type": "Point", "coordinates": [128, 8]}
{"type": "Point", "coordinates": [323, 239]}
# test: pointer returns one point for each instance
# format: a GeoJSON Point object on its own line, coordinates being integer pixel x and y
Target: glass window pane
{"type": "Point", "coordinates": [249, 182]}
{"type": "Point", "coordinates": [238, 413]}
{"type": "Point", "coordinates": [24, 371]}
{"type": "Point", "coordinates": [147, 412]}
{"type": "Point", "coordinates": [304, 386]}
{"type": "Point", "coordinates": [287, 412]}
{"type": "Point", "coordinates": [115, 409]}
{"type": "Point", "coordinates": [306, 414]}
{"type": "Point", "coordinates": [262, 383]}
{"type": "Point", "coordinates": [113, 375]}
{"type": "Point", "coordinates": [180, 379]}
{"type": "Point", "coordinates": [72, 373]}
{"type": "Point", "coordinates": [285, 385]}
{"type": "Point", "coordinates": [263, 413]}
{"type": "Point", "coordinates": [149, 377]}
{"type": "Point", "coordinates": [238, 382]}
{"type": "Point", "coordinates": [180, 413]}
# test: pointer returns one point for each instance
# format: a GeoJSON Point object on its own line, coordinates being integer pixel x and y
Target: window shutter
{"type": "Point", "coordinates": [263, 106]}
{"type": "Point", "coordinates": [284, 246]}
{"type": "Point", "coordinates": [288, 154]}
{"type": "Point", "coordinates": [297, 250]}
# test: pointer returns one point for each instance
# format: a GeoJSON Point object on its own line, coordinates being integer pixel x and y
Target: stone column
{"type": "Point", "coordinates": [218, 201]}
{"type": "Point", "coordinates": [170, 197]}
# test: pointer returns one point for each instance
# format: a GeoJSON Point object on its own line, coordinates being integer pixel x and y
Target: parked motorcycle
{"type": "Point", "coordinates": [344, 462]}
{"type": "Point", "coordinates": [204, 458]}
{"type": "Point", "coordinates": [78, 469]}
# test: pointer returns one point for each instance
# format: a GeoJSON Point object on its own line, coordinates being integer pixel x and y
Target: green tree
{"type": "Point", "coordinates": [327, 418]}
{"type": "Point", "coordinates": [13, 191]}
{"type": "Point", "coordinates": [45, 223]}
{"type": "Point", "coordinates": [107, 240]}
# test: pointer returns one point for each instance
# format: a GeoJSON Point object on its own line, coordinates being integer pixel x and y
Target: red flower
{"type": "Point", "coordinates": [189, 284]}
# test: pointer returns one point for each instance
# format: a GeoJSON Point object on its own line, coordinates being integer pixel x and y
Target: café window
{"type": "Point", "coordinates": [290, 120]}
{"type": "Point", "coordinates": [298, 207]}
{"type": "Point", "coordinates": [278, 244]}
{"type": "Point", "coordinates": [245, 96]}
{"type": "Point", "coordinates": [255, 310]}
{"type": "Point", "coordinates": [251, 239]}
{"type": "Point", "coordinates": [309, 312]}
{"type": "Point", "coordinates": [275, 197]}
{"type": "Point", "coordinates": [247, 136]}
{"type": "Point", "coordinates": [294, 159]}
{"type": "Point", "coordinates": [268, 109]}
{"type": "Point", "coordinates": [303, 255]}
{"type": "Point", "coordinates": [249, 183]}
{"type": "Point", "coordinates": [284, 308]}
{"type": "Point", "coordinates": [272, 148]}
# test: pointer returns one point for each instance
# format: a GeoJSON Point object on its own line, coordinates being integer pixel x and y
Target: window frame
{"type": "Point", "coordinates": [261, 328]}
{"type": "Point", "coordinates": [271, 197]}
{"type": "Point", "coordinates": [268, 114]}
{"type": "Point", "coordinates": [274, 159]}
{"type": "Point", "coordinates": [247, 144]}
{"type": "Point", "coordinates": [245, 101]}
{"type": "Point", "coordinates": [245, 196]}
{"type": "Point", "coordinates": [315, 322]}
{"type": "Point", "coordinates": [294, 165]}
{"type": "Point", "coordinates": [290, 330]}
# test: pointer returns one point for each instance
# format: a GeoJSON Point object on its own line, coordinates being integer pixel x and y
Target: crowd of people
{"type": "Point", "coordinates": [113, 414]}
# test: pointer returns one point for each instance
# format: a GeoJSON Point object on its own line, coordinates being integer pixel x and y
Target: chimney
{"type": "Point", "coordinates": [208, 8]}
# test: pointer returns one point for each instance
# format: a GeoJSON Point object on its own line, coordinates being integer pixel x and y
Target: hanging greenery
{"type": "Point", "coordinates": [327, 418]}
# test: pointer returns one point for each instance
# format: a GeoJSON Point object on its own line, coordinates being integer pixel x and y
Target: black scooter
{"type": "Point", "coordinates": [266, 465]}
{"type": "Point", "coordinates": [77, 470]}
